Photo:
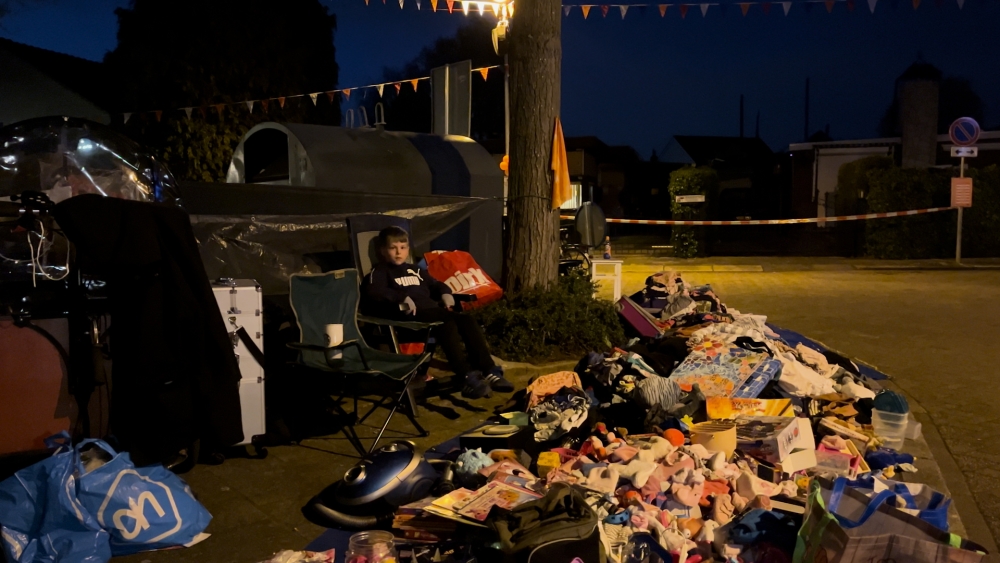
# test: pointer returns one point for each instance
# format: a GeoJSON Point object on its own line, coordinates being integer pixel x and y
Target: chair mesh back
{"type": "Point", "coordinates": [322, 299]}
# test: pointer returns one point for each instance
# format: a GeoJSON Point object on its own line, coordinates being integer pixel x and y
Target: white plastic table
{"type": "Point", "coordinates": [604, 271]}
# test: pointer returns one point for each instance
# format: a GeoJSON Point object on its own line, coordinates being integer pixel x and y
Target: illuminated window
{"type": "Point", "coordinates": [577, 200]}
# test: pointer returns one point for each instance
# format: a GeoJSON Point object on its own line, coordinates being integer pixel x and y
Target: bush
{"type": "Point", "coordinates": [852, 183]}
{"type": "Point", "coordinates": [913, 237]}
{"type": "Point", "coordinates": [981, 222]}
{"type": "Point", "coordinates": [688, 242]}
{"type": "Point", "coordinates": [563, 322]}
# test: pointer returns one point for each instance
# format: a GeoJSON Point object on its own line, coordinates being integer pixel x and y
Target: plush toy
{"type": "Point", "coordinates": [707, 533]}
{"type": "Point", "coordinates": [655, 449]}
{"type": "Point", "coordinates": [674, 436]}
{"type": "Point", "coordinates": [722, 509]}
{"type": "Point", "coordinates": [467, 468]}
{"type": "Point", "coordinates": [637, 471]}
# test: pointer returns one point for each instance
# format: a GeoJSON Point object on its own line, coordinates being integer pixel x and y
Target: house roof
{"type": "Point", "coordinates": [87, 78]}
{"type": "Point", "coordinates": [731, 151]}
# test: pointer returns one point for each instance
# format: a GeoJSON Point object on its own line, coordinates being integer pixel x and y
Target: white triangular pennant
{"type": "Point", "coordinates": [400, 4]}
{"type": "Point", "coordinates": [704, 9]}
{"type": "Point", "coordinates": [481, 6]}
{"type": "Point", "coordinates": [465, 6]}
{"type": "Point", "coordinates": [871, 5]}
{"type": "Point", "coordinates": [787, 6]}
{"type": "Point", "coordinates": [127, 115]}
{"type": "Point", "coordinates": [960, 4]}
{"type": "Point", "coordinates": [418, 4]}
{"type": "Point", "coordinates": [313, 97]}
{"type": "Point", "coordinates": [623, 9]}
{"type": "Point", "coordinates": [187, 112]}
{"type": "Point", "coordinates": [380, 87]}
{"type": "Point", "coordinates": [250, 106]}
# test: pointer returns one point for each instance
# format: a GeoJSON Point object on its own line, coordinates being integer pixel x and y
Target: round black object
{"type": "Point", "coordinates": [395, 473]}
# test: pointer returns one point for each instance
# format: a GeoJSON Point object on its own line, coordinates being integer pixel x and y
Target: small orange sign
{"type": "Point", "coordinates": [961, 192]}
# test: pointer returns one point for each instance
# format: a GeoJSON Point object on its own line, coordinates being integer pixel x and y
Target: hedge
{"type": "Point", "coordinates": [689, 242]}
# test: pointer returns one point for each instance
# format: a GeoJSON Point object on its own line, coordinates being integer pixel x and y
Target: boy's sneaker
{"type": "Point", "coordinates": [497, 381]}
{"type": "Point", "coordinates": [476, 386]}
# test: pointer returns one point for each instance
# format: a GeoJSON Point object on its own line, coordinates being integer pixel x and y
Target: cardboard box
{"type": "Point", "coordinates": [774, 438]}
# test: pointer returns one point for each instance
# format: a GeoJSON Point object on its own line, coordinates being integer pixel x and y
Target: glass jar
{"type": "Point", "coordinates": [376, 546]}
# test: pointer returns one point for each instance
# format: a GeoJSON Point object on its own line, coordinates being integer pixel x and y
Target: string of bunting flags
{"type": "Point", "coordinates": [265, 103]}
{"type": "Point", "coordinates": [765, 7]}
{"type": "Point", "coordinates": [504, 9]}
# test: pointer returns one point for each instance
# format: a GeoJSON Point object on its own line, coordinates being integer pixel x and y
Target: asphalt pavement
{"type": "Point", "coordinates": [934, 330]}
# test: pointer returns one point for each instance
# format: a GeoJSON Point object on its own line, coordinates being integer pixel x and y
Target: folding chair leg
{"type": "Point", "coordinates": [395, 406]}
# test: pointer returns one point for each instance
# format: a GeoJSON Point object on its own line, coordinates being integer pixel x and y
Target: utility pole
{"type": "Point", "coordinates": [535, 57]}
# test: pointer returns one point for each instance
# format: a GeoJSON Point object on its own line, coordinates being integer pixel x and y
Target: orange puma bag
{"type": "Point", "coordinates": [459, 270]}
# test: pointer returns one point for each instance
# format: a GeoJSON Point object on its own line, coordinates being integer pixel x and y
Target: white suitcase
{"type": "Point", "coordinates": [241, 307]}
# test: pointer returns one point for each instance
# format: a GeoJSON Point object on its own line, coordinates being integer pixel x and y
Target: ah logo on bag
{"type": "Point", "coordinates": [463, 281]}
{"type": "Point", "coordinates": [150, 513]}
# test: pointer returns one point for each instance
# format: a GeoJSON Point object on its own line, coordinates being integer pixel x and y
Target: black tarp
{"type": "Point", "coordinates": [268, 232]}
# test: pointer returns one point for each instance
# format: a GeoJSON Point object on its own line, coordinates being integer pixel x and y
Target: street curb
{"type": "Point", "coordinates": [963, 501]}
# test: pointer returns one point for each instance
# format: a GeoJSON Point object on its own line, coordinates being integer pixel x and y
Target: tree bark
{"type": "Point", "coordinates": [535, 58]}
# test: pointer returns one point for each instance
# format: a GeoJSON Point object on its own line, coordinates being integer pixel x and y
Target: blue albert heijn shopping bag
{"type": "Point", "coordinates": [57, 511]}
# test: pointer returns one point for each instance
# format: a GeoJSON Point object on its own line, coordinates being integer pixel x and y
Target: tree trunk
{"type": "Point", "coordinates": [532, 253]}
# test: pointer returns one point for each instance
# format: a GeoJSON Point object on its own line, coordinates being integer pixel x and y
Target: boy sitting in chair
{"type": "Point", "coordinates": [393, 282]}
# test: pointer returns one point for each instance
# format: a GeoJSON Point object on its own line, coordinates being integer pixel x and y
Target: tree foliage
{"type": "Point", "coordinates": [192, 54]}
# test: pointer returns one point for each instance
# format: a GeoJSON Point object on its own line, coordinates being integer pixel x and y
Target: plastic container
{"type": "Point", "coordinates": [376, 546]}
{"type": "Point", "coordinates": [891, 427]}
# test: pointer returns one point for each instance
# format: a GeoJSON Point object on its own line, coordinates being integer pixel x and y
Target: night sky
{"type": "Point", "coordinates": [639, 81]}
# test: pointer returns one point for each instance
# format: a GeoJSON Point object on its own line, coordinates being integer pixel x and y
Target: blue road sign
{"type": "Point", "coordinates": [964, 131]}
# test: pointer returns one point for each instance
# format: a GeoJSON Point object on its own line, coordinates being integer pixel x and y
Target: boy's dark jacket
{"type": "Point", "coordinates": [388, 285]}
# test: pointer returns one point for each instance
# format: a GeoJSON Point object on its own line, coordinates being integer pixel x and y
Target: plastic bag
{"type": "Point", "coordinates": [463, 275]}
{"type": "Point", "coordinates": [60, 510]}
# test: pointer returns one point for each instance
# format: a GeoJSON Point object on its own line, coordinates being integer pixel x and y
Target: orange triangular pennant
{"type": "Point", "coordinates": [663, 9]}
{"type": "Point", "coordinates": [744, 7]}
{"type": "Point", "coordinates": [218, 109]}
{"type": "Point", "coordinates": [829, 5]}
{"type": "Point", "coordinates": [264, 103]}
{"type": "Point", "coordinates": [281, 102]}
{"type": "Point", "coordinates": [916, 4]}
{"type": "Point", "coordinates": [766, 6]}
{"type": "Point", "coordinates": [399, 86]}
{"type": "Point", "coordinates": [414, 83]}
{"type": "Point", "coordinates": [434, 5]}
{"type": "Point", "coordinates": [604, 10]}
{"type": "Point", "coordinates": [347, 94]}
{"type": "Point", "coordinates": [159, 114]}
{"type": "Point", "coordinates": [201, 110]}
{"type": "Point", "coordinates": [329, 95]}
{"type": "Point", "coordinates": [451, 5]}
{"type": "Point", "coordinates": [684, 10]}
{"type": "Point", "coordinates": [586, 11]}
{"type": "Point", "coordinates": [485, 71]}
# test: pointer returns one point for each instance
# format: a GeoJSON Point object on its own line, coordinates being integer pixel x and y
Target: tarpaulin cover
{"type": "Point", "coordinates": [267, 232]}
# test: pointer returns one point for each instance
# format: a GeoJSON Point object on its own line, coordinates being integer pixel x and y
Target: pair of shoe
{"type": "Point", "coordinates": [478, 385]}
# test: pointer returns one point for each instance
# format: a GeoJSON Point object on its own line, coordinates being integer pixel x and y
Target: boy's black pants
{"type": "Point", "coordinates": [458, 328]}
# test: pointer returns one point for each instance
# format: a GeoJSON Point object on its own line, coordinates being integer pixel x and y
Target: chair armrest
{"type": "Point", "coordinates": [316, 348]}
{"type": "Point", "coordinates": [412, 325]}
{"type": "Point", "coordinates": [329, 351]}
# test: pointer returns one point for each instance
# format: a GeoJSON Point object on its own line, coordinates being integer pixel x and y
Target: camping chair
{"type": "Point", "coordinates": [363, 231]}
{"type": "Point", "coordinates": [332, 298]}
